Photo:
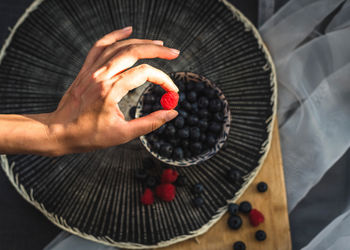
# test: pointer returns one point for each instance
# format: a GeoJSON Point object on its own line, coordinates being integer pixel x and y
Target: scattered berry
{"type": "Point", "coordinates": [169, 100]}
{"type": "Point", "coordinates": [147, 197]}
{"type": "Point", "coordinates": [169, 175]}
{"type": "Point", "coordinates": [245, 207]}
{"type": "Point", "coordinates": [239, 245]}
{"type": "Point", "coordinates": [260, 235]}
{"type": "Point", "coordinates": [141, 174]}
{"type": "Point", "coordinates": [233, 208]}
{"type": "Point", "coordinates": [234, 222]}
{"type": "Point", "coordinates": [166, 191]}
{"type": "Point", "coordinates": [132, 112]}
{"type": "Point", "coordinates": [198, 201]}
{"type": "Point", "coordinates": [256, 217]}
{"type": "Point", "coordinates": [262, 187]}
{"type": "Point", "coordinates": [147, 163]}
{"type": "Point", "coordinates": [198, 188]}
{"type": "Point", "coordinates": [151, 182]}
{"type": "Point", "coordinates": [181, 181]}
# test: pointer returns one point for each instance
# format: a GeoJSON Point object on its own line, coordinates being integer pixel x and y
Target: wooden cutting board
{"type": "Point", "coordinates": [273, 204]}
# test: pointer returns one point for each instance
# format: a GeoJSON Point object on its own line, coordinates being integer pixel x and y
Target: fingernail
{"type": "Point", "coordinates": [127, 28]}
{"type": "Point", "coordinates": [158, 42]}
{"type": "Point", "coordinates": [175, 51]}
{"type": "Point", "coordinates": [171, 114]}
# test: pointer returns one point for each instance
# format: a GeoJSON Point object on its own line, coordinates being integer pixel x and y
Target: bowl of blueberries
{"type": "Point", "coordinates": [200, 129]}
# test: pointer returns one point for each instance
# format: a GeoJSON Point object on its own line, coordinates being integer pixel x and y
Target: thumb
{"type": "Point", "coordinates": [149, 123]}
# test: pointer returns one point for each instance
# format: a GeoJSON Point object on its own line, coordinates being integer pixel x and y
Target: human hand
{"type": "Point", "coordinates": [88, 116]}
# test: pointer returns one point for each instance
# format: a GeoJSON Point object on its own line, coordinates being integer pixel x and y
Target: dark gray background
{"type": "Point", "coordinates": [21, 225]}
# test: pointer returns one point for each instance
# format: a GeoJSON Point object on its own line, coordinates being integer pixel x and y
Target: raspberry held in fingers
{"type": "Point", "coordinates": [169, 100]}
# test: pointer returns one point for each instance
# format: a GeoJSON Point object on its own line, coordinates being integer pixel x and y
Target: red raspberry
{"type": "Point", "coordinates": [256, 217]}
{"type": "Point", "coordinates": [147, 197]}
{"type": "Point", "coordinates": [169, 100]}
{"type": "Point", "coordinates": [166, 191]}
{"type": "Point", "coordinates": [169, 176]}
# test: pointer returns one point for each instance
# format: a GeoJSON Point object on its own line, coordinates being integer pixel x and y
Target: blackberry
{"type": "Point", "coordinates": [190, 86]}
{"type": "Point", "coordinates": [166, 150]}
{"type": "Point", "coordinates": [194, 108]}
{"type": "Point", "coordinates": [188, 154]}
{"type": "Point", "coordinates": [245, 207]}
{"type": "Point", "coordinates": [158, 90]}
{"type": "Point", "coordinates": [175, 142]}
{"type": "Point", "coordinates": [156, 146]}
{"type": "Point", "coordinates": [149, 99]}
{"type": "Point", "coordinates": [203, 137]}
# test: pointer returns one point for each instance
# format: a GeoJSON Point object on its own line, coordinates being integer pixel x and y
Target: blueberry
{"type": "Point", "coordinates": [184, 133]}
{"type": "Point", "coordinates": [215, 105]}
{"type": "Point", "coordinates": [262, 187]}
{"type": "Point", "coordinates": [198, 188]}
{"type": "Point", "coordinates": [234, 222]}
{"type": "Point", "coordinates": [157, 107]}
{"type": "Point", "coordinates": [191, 96]}
{"type": "Point", "coordinates": [211, 140]}
{"type": "Point", "coordinates": [194, 108]}
{"type": "Point", "coordinates": [219, 117]}
{"type": "Point", "coordinates": [158, 90]}
{"type": "Point", "coordinates": [245, 207]}
{"type": "Point", "coordinates": [203, 113]}
{"type": "Point", "coordinates": [203, 102]}
{"type": "Point", "coordinates": [185, 143]}
{"type": "Point", "coordinates": [179, 121]}
{"type": "Point", "coordinates": [181, 181]}
{"type": "Point", "coordinates": [182, 97]}
{"type": "Point", "coordinates": [198, 201]}
{"type": "Point", "coordinates": [203, 137]}
{"type": "Point", "coordinates": [178, 153]}
{"type": "Point", "coordinates": [141, 174]}
{"type": "Point", "coordinates": [209, 92]}
{"type": "Point", "coordinates": [149, 99]}
{"type": "Point", "coordinates": [190, 86]}
{"type": "Point", "coordinates": [151, 138]}
{"type": "Point", "coordinates": [233, 175]}
{"type": "Point", "coordinates": [200, 86]}
{"type": "Point", "coordinates": [214, 127]}
{"type": "Point", "coordinates": [203, 125]}
{"type": "Point", "coordinates": [166, 150]}
{"type": "Point", "coordinates": [233, 208]}
{"type": "Point", "coordinates": [175, 141]}
{"type": "Point", "coordinates": [239, 245]}
{"type": "Point", "coordinates": [180, 85]}
{"type": "Point", "coordinates": [183, 113]}
{"type": "Point", "coordinates": [170, 130]}
{"type": "Point", "coordinates": [160, 130]}
{"type": "Point", "coordinates": [192, 120]}
{"type": "Point", "coordinates": [260, 235]}
{"type": "Point", "coordinates": [186, 105]}
{"type": "Point", "coordinates": [196, 148]}
{"type": "Point", "coordinates": [151, 182]}
{"type": "Point", "coordinates": [195, 134]}
{"type": "Point", "coordinates": [188, 154]}
{"type": "Point", "coordinates": [156, 146]}
{"type": "Point", "coordinates": [146, 109]}
{"type": "Point", "coordinates": [132, 112]}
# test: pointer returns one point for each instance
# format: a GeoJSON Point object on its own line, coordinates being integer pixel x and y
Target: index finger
{"type": "Point", "coordinates": [137, 76]}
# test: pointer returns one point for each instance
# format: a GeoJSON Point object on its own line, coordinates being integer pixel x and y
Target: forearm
{"type": "Point", "coordinates": [26, 134]}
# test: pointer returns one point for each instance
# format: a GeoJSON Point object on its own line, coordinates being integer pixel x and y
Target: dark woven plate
{"type": "Point", "coordinates": [95, 195]}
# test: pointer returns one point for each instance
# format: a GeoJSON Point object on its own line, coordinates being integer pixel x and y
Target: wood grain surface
{"type": "Point", "coordinates": [273, 204]}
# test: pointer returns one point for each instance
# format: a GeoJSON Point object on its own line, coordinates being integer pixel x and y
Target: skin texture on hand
{"type": "Point", "coordinates": [88, 116]}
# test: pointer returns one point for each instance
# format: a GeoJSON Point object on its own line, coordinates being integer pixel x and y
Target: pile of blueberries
{"type": "Point", "coordinates": [197, 127]}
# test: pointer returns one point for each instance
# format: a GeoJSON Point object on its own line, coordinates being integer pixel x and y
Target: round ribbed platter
{"type": "Point", "coordinates": [95, 195]}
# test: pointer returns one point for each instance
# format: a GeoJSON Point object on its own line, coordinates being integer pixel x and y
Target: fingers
{"type": "Point", "coordinates": [111, 50]}
{"type": "Point", "coordinates": [149, 123]}
{"type": "Point", "coordinates": [107, 40]}
{"type": "Point", "coordinates": [127, 57]}
{"type": "Point", "coordinates": [137, 76]}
